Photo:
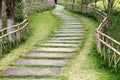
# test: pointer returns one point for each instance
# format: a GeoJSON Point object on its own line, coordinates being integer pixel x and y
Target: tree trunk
{"type": "Point", "coordinates": [10, 4]}
{"type": "Point", "coordinates": [0, 14]}
{"type": "Point", "coordinates": [109, 15]}
{"type": "Point", "coordinates": [95, 3]}
{"type": "Point", "coordinates": [73, 2]}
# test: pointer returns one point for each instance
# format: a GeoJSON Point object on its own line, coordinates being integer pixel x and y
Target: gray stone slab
{"type": "Point", "coordinates": [66, 38]}
{"type": "Point", "coordinates": [72, 26]}
{"type": "Point", "coordinates": [76, 27]}
{"type": "Point", "coordinates": [56, 49]}
{"type": "Point", "coordinates": [58, 45]}
{"type": "Point", "coordinates": [41, 62]}
{"type": "Point", "coordinates": [65, 21]}
{"type": "Point", "coordinates": [68, 25]}
{"type": "Point", "coordinates": [70, 21]}
{"type": "Point", "coordinates": [66, 32]}
{"type": "Point", "coordinates": [31, 72]}
{"type": "Point", "coordinates": [69, 31]}
{"type": "Point", "coordinates": [67, 17]}
{"type": "Point", "coordinates": [27, 79]}
{"type": "Point", "coordinates": [67, 35]}
{"type": "Point", "coordinates": [48, 55]}
{"type": "Point", "coordinates": [63, 41]}
{"type": "Point", "coordinates": [73, 23]}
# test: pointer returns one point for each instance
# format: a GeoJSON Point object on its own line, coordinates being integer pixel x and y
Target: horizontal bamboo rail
{"type": "Point", "coordinates": [19, 32]}
{"type": "Point", "coordinates": [108, 47]}
{"type": "Point", "coordinates": [37, 8]}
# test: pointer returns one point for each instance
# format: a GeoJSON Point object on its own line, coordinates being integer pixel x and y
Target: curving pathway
{"type": "Point", "coordinates": [47, 60]}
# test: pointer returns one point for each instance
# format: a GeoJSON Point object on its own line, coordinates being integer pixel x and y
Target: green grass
{"type": "Point", "coordinates": [100, 4]}
{"type": "Point", "coordinates": [87, 64]}
{"type": "Point", "coordinates": [41, 27]}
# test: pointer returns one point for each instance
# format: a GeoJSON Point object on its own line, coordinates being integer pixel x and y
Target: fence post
{"type": "Point", "coordinates": [98, 43]}
{"type": "Point", "coordinates": [18, 33]}
{"type": "Point", "coordinates": [0, 46]}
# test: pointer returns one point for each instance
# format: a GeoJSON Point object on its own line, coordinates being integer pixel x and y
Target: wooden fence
{"type": "Point", "coordinates": [108, 47]}
{"type": "Point", "coordinates": [20, 31]}
{"type": "Point", "coordinates": [37, 8]}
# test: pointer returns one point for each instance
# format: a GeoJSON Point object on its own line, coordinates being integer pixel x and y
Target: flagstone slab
{"type": "Point", "coordinates": [56, 49]}
{"type": "Point", "coordinates": [63, 41]}
{"type": "Point", "coordinates": [59, 45]}
{"type": "Point", "coordinates": [31, 72]}
{"type": "Point", "coordinates": [70, 30]}
{"type": "Point", "coordinates": [68, 25]}
{"type": "Point", "coordinates": [48, 55]}
{"type": "Point", "coordinates": [72, 27]}
{"type": "Point", "coordinates": [67, 38]}
{"type": "Point", "coordinates": [60, 31]}
{"type": "Point", "coordinates": [40, 62]}
{"type": "Point", "coordinates": [28, 79]}
{"type": "Point", "coordinates": [73, 23]}
{"type": "Point", "coordinates": [70, 21]}
{"type": "Point", "coordinates": [68, 35]}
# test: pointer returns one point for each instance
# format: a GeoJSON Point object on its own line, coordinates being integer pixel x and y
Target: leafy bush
{"type": "Point", "coordinates": [18, 11]}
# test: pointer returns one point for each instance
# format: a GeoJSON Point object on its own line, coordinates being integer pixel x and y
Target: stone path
{"type": "Point", "coordinates": [49, 58]}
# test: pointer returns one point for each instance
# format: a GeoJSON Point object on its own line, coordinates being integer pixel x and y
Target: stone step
{"type": "Point", "coordinates": [48, 55]}
{"type": "Point", "coordinates": [64, 41]}
{"type": "Point", "coordinates": [68, 18]}
{"type": "Point", "coordinates": [68, 35]}
{"type": "Point", "coordinates": [72, 23]}
{"type": "Point", "coordinates": [69, 25]}
{"type": "Point", "coordinates": [69, 31]}
{"type": "Point", "coordinates": [71, 20]}
{"type": "Point", "coordinates": [66, 38]}
{"type": "Point", "coordinates": [73, 27]}
{"type": "Point", "coordinates": [66, 32]}
{"type": "Point", "coordinates": [56, 49]}
{"type": "Point", "coordinates": [28, 79]}
{"type": "Point", "coordinates": [31, 72]}
{"type": "Point", "coordinates": [40, 62]}
{"type": "Point", "coordinates": [58, 45]}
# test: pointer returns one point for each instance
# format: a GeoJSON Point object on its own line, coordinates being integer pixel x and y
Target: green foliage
{"type": "Point", "coordinates": [114, 33]}
{"type": "Point", "coordinates": [18, 11]}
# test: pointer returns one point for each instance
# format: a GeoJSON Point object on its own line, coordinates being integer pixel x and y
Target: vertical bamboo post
{"type": "Point", "coordinates": [18, 33]}
{"type": "Point", "coordinates": [1, 44]}
{"type": "Point", "coordinates": [27, 27]}
{"type": "Point", "coordinates": [103, 45]}
{"type": "Point", "coordinates": [98, 43]}
{"type": "Point", "coordinates": [110, 62]}
{"type": "Point", "coordinates": [115, 65]}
